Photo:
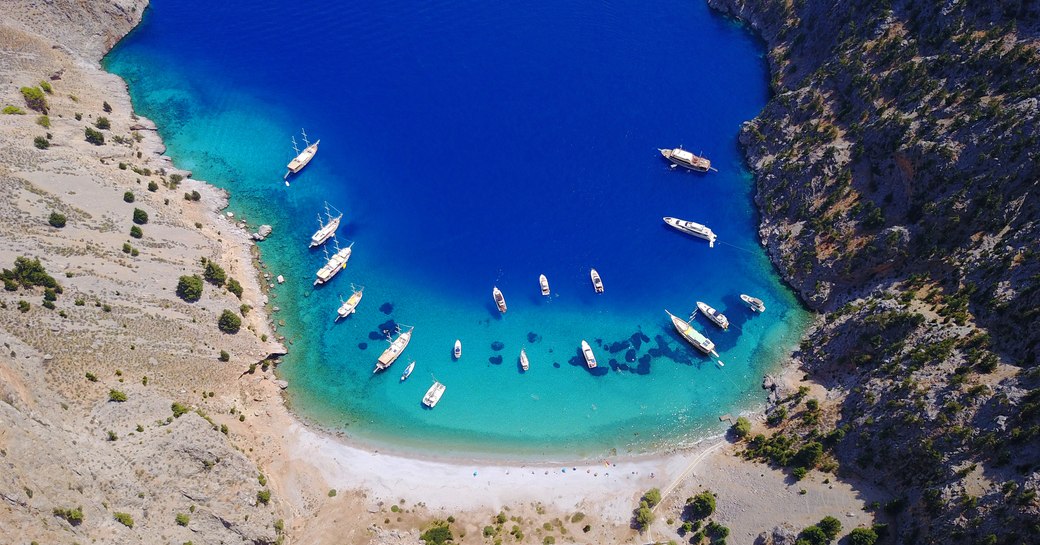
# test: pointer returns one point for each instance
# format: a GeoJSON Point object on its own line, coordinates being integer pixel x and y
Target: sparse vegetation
{"type": "Point", "coordinates": [140, 216]}
{"type": "Point", "coordinates": [214, 273]}
{"type": "Point", "coordinates": [224, 356]}
{"type": "Point", "coordinates": [136, 231]}
{"type": "Point", "coordinates": [182, 519]}
{"type": "Point", "coordinates": [35, 99]}
{"type": "Point", "coordinates": [124, 518]}
{"type": "Point", "coordinates": [41, 142]}
{"type": "Point", "coordinates": [438, 533]}
{"type": "Point", "coordinates": [229, 322]}
{"type": "Point", "coordinates": [56, 220]}
{"type": "Point", "coordinates": [234, 287]}
{"type": "Point", "coordinates": [152, 186]}
{"type": "Point", "coordinates": [93, 136]}
{"type": "Point", "coordinates": [263, 496]}
{"type": "Point", "coordinates": [43, 121]}
{"type": "Point", "coordinates": [13, 110]}
{"type": "Point", "coordinates": [117, 396]}
{"type": "Point", "coordinates": [128, 196]}
{"type": "Point", "coordinates": [178, 409]}
{"type": "Point", "coordinates": [73, 516]}
{"type": "Point", "coordinates": [103, 123]}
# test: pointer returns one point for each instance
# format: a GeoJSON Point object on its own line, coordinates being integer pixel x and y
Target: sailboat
{"type": "Point", "coordinates": [302, 157]}
{"type": "Point", "coordinates": [335, 264]}
{"type": "Point", "coordinates": [694, 337]}
{"type": "Point", "coordinates": [327, 228]}
{"type": "Point", "coordinates": [392, 352]}
{"type": "Point", "coordinates": [350, 305]}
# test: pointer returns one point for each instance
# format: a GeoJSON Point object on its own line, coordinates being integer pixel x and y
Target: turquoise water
{"type": "Point", "coordinates": [473, 144]}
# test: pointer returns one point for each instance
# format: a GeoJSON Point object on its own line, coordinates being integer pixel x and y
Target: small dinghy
{"type": "Point", "coordinates": [407, 371]}
{"type": "Point", "coordinates": [458, 349]}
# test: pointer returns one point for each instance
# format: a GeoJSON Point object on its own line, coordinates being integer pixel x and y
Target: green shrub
{"type": "Point", "coordinates": [799, 473]}
{"type": "Point", "coordinates": [182, 519]}
{"type": "Point", "coordinates": [741, 428]}
{"type": "Point", "coordinates": [224, 356]}
{"type": "Point", "coordinates": [91, 377]}
{"type": "Point", "coordinates": [140, 216]}
{"type": "Point", "coordinates": [127, 248]}
{"type": "Point", "coordinates": [644, 516]}
{"type": "Point", "coordinates": [332, 493]}
{"type": "Point", "coordinates": [34, 99]}
{"type": "Point", "coordinates": [229, 322]}
{"type": "Point", "coordinates": [56, 220]}
{"type": "Point", "coordinates": [264, 496]}
{"type": "Point", "coordinates": [214, 273]}
{"type": "Point", "coordinates": [178, 409]}
{"type": "Point", "coordinates": [189, 288]}
{"type": "Point", "coordinates": [862, 536]}
{"type": "Point", "coordinates": [813, 535]}
{"type": "Point", "coordinates": [652, 497]}
{"type": "Point", "coordinates": [13, 110]}
{"type": "Point", "coordinates": [124, 518]}
{"type": "Point", "coordinates": [136, 231]}
{"type": "Point", "coordinates": [94, 137]}
{"type": "Point", "coordinates": [128, 196]}
{"type": "Point", "coordinates": [437, 534]}
{"type": "Point", "coordinates": [830, 526]}
{"type": "Point", "coordinates": [777, 416]}
{"type": "Point", "coordinates": [152, 186]}
{"type": "Point", "coordinates": [46, 86]}
{"type": "Point", "coordinates": [43, 121]}
{"type": "Point", "coordinates": [29, 273]}
{"type": "Point", "coordinates": [175, 179]}
{"type": "Point", "coordinates": [234, 287]}
{"type": "Point", "coordinates": [193, 196]}
{"type": "Point", "coordinates": [106, 107]}
{"type": "Point", "coordinates": [701, 506]}
{"type": "Point", "coordinates": [103, 123]}
{"type": "Point", "coordinates": [41, 142]}
{"type": "Point", "coordinates": [72, 516]}
{"type": "Point", "coordinates": [117, 396]}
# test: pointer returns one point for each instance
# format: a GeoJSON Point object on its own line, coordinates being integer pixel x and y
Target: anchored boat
{"type": "Point", "coordinates": [754, 303]}
{"type": "Point", "coordinates": [458, 349]}
{"type": "Point", "coordinates": [392, 352]}
{"type": "Point", "coordinates": [590, 358]}
{"type": "Point", "coordinates": [500, 300]}
{"type": "Point", "coordinates": [692, 228]}
{"type": "Point", "coordinates": [327, 228]}
{"type": "Point", "coordinates": [524, 364]}
{"type": "Point", "coordinates": [334, 264]}
{"type": "Point", "coordinates": [715, 316]}
{"type": "Point", "coordinates": [302, 157]}
{"type": "Point", "coordinates": [681, 157]}
{"type": "Point", "coordinates": [544, 283]}
{"type": "Point", "coordinates": [597, 282]}
{"type": "Point", "coordinates": [692, 336]}
{"type": "Point", "coordinates": [350, 305]}
{"type": "Point", "coordinates": [407, 371]}
{"type": "Point", "coordinates": [433, 395]}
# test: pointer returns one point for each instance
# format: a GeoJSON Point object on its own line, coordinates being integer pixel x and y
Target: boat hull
{"type": "Point", "coordinates": [303, 159]}
{"type": "Point", "coordinates": [500, 300]}
{"type": "Point", "coordinates": [694, 163]}
{"type": "Point", "coordinates": [543, 282]}
{"type": "Point", "coordinates": [590, 358]}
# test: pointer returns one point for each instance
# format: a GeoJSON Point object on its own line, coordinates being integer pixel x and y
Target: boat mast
{"type": "Point", "coordinates": [295, 147]}
{"type": "Point", "coordinates": [321, 225]}
{"type": "Point", "coordinates": [305, 141]}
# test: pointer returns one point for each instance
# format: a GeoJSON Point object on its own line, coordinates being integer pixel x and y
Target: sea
{"type": "Point", "coordinates": [473, 144]}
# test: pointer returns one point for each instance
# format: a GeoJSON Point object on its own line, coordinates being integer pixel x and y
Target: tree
{"type": "Point", "coordinates": [741, 428]}
{"type": "Point", "coordinates": [702, 505]}
{"type": "Point", "coordinates": [437, 534]}
{"type": "Point", "coordinates": [56, 220]}
{"type": "Point", "coordinates": [189, 288]}
{"type": "Point", "coordinates": [644, 516]}
{"type": "Point", "coordinates": [136, 232]}
{"type": "Point", "coordinates": [93, 136]}
{"type": "Point", "coordinates": [214, 273]}
{"type": "Point", "coordinates": [229, 322]}
{"type": "Point", "coordinates": [34, 99]}
{"type": "Point", "coordinates": [813, 535]}
{"type": "Point", "coordinates": [862, 536]}
{"type": "Point", "coordinates": [234, 287]}
{"type": "Point", "coordinates": [652, 497]}
{"type": "Point", "coordinates": [140, 216]}
{"type": "Point", "coordinates": [809, 455]}
{"type": "Point", "coordinates": [103, 123]}
{"type": "Point", "coordinates": [830, 526]}
{"type": "Point", "coordinates": [128, 196]}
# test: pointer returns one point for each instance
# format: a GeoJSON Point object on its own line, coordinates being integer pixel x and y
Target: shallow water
{"type": "Point", "coordinates": [473, 144]}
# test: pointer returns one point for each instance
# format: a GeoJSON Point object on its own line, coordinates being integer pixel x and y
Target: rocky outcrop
{"type": "Point", "coordinates": [896, 169]}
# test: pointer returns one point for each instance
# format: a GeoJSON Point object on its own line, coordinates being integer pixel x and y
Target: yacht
{"type": "Point", "coordinates": [302, 157]}
{"type": "Point", "coordinates": [754, 303]}
{"type": "Point", "coordinates": [500, 301]}
{"type": "Point", "coordinates": [350, 305]}
{"type": "Point", "coordinates": [692, 336]}
{"type": "Point", "coordinates": [407, 371]}
{"type": "Point", "coordinates": [544, 283]}
{"type": "Point", "coordinates": [715, 316]}
{"type": "Point", "coordinates": [458, 349]}
{"type": "Point", "coordinates": [590, 358]}
{"type": "Point", "coordinates": [692, 228]}
{"type": "Point", "coordinates": [681, 157]}
{"type": "Point", "coordinates": [524, 363]}
{"type": "Point", "coordinates": [433, 395]}
{"type": "Point", "coordinates": [327, 228]}
{"type": "Point", "coordinates": [334, 264]}
{"type": "Point", "coordinates": [597, 282]}
{"type": "Point", "coordinates": [392, 352]}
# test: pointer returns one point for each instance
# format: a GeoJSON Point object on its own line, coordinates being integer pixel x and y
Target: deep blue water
{"type": "Point", "coordinates": [473, 144]}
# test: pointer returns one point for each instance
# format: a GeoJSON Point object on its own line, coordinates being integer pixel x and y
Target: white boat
{"type": "Point", "coordinates": [350, 305]}
{"type": "Point", "coordinates": [597, 282]}
{"type": "Point", "coordinates": [500, 300]}
{"type": "Point", "coordinates": [681, 157]}
{"type": "Point", "coordinates": [458, 349]}
{"type": "Point", "coordinates": [693, 228]}
{"type": "Point", "coordinates": [326, 228]}
{"type": "Point", "coordinates": [754, 303]}
{"type": "Point", "coordinates": [407, 371]}
{"type": "Point", "coordinates": [692, 336]}
{"type": "Point", "coordinates": [392, 352]}
{"type": "Point", "coordinates": [302, 157]}
{"type": "Point", "coordinates": [524, 363]}
{"type": "Point", "coordinates": [590, 358]}
{"type": "Point", "coordinates": [334, 264]}
{"type": "Point", "coordinates": [715, 316]}
{"type": "Point", "coordinates": [433, 395]}
{"type": "Point", "coordinates": [544, 283]}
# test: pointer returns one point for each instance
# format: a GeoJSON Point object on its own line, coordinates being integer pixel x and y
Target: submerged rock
{"type": "Point", "coordinates": [533, 337]}
{"type": "Point", "coordinates": [386, 308]}
{"type": "Point", "coordinates": [362, 346]}
{"type": "Point", "coordinates": [496, 360]}
{"type": "Point", "coordinates": [497, 346]}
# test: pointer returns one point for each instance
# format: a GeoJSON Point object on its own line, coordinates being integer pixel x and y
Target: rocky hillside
{"type": "Point", "coordinates": [897, 170]}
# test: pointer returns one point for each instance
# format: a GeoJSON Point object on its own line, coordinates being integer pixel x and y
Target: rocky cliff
{"type": "Point", "coordinates": [897, 169]}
